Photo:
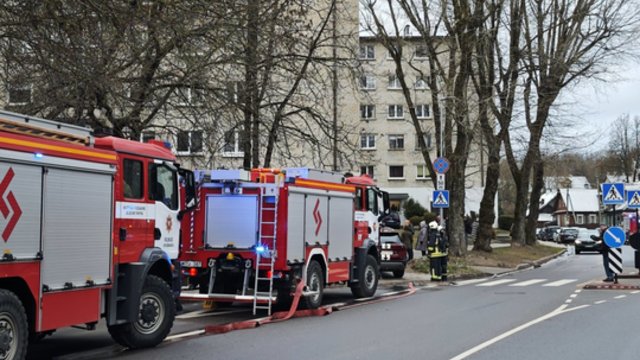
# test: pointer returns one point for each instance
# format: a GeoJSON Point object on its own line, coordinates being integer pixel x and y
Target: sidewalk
{"type": "Point", "coordinates": [422, 279]}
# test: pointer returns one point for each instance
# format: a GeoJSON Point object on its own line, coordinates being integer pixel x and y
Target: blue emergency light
{"type": "Point", "coordinates": [260, 249]}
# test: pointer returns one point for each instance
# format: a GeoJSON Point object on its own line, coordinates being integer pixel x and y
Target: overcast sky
{"type": "Point", "coordinates": [603, 102]}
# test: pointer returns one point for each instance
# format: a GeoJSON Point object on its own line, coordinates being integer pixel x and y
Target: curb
{"type": "Point", "coordinates": [610, 287]}
{"type": "Point", "coordinates": [520, 267]}
{"type": "Point", "coordinates": [540, 262]}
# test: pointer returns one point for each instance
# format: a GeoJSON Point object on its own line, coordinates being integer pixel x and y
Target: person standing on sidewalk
{"type": "Point", "coordinates": [422, 238]}
{"type": "Point", "coordinates": [604, 250]}
{"type": "Point", "coordinates": [407, 238]}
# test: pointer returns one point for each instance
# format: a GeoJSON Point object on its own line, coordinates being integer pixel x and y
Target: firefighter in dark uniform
{"type": "Point", "coordinates": [434, 251]}
{"type": "Point", "coordinates": [443, 246]}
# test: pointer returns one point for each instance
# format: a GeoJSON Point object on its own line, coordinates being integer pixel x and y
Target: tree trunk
{"type": "Point", "coordinates": [520, 209]}
{"type": "Point", "coordinates": [251, 91]}
{"type": "Point", "coordinates": [534, 201]}
{"type": "Point", "coordinates": [487, 214]}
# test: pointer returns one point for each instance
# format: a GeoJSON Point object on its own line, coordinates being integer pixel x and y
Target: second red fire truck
{"type": "Point", "coordinates": [255, 234]}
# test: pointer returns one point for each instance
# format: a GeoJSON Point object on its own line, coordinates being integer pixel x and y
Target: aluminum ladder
{"type": "Point", "coordinates": [266, 259]}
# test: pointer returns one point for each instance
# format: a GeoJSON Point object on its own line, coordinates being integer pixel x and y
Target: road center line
{"type": "Point", "coordinates": [556, 312]}
{"type": "Point", "coordinates": [600, 302]}
{"type": "Point", "coordinates": [620, 297]}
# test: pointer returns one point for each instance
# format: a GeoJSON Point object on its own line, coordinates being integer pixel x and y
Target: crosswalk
{"type": "Point", "coordinates": [530, 282]}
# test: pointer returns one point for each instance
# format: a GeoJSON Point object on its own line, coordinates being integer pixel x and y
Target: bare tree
{"type": "Point", "coordinates": [565, 41]}
{"type": "Point", "coordinates": [253, 72]}
{"type": "Point", "coordinates": [450, 45]}
{"type": "Point", "coordinates": [497, 71]}
{"type": "Point", "coordinates": [623, 146]}
{"type": "Point", "coordinates": [113, 66]}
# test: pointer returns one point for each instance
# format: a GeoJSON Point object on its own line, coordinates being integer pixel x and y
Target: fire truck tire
{"type": "Point", "coordinates": [315, 283]}
{"type": "Point", "coordinates": [367, 279]}
{"type": "Point", "coordinates": [14, 329]}
{"type": "Point", "coordinates": [155, 317]}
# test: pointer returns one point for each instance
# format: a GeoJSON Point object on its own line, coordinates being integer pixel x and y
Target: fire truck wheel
{"type": "Point", "coordinates": [367, 279]}
{"type": "Point", "coordinates": [315, 283]}
{"type": "Point", "coordinates": [156, 313]}
{"type": "Point", "coordinates": [14, 329]}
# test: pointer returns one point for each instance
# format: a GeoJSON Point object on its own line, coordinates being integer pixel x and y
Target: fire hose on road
{"type": "Point", "coordinates": [293, 313]}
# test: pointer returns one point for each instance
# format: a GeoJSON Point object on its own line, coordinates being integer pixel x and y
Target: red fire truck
{"type": "Point", "coordinates": [255, 234]}
{"type": "Point", "coordinates": [89, 229]}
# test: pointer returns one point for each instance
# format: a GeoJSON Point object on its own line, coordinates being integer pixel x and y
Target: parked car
{"type": "Point", "coordinates": [584, 241]}
{"type": "Point", "coordinates": [393, 253]}
{"type": "Point", "coordinates": [567, 235]}
{"type": "Point", "coordinates": [548, 233]}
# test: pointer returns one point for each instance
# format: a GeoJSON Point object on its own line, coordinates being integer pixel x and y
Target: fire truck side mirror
{"type": "Point", "coordinates": [191, 201]}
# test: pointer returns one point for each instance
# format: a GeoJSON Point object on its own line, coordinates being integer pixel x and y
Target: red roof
{"type": "Point", "coordinates": [152, 150]}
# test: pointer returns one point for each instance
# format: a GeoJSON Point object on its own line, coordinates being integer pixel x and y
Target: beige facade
{"type": "Point", "coordinates": [386, 134]}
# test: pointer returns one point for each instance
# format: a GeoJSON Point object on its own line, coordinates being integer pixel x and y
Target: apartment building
{"type": "Point", "coordinates": [387, 138]}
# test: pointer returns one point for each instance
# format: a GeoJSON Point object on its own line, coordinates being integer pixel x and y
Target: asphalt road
{"type": "Point", "coordinates": [540, 313]}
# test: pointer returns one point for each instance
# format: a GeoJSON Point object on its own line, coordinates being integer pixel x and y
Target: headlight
{"type": "Point", "coordinates": [578, 242]}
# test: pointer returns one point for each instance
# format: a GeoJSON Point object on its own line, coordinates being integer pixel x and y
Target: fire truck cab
{"type": "Point", "coordinates": [90, 227]}
{"type": "Point", "coordinates": [256, 234]}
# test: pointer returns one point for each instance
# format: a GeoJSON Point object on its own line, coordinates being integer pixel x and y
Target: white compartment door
{"type": "Point", "coordinates": [76, 235]}
{"type": "Point", "coordinates": [232, 220]}
{"type": "Point", "coordinates": [340, 228]}
{"type": "Point", "coordinates": [295, 228]}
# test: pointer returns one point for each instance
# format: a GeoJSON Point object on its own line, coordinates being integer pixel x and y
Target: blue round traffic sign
{"type": "Point", "coordinates": [614, 237]}
{"type": "Point", "coordinates": [441, 165]}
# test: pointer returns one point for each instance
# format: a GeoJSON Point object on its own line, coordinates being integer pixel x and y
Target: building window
{"type": "Point", "coordinates": [394, 82]}
{"type": "Point", "coordinates": [367, 52]}
{"type": "Point", "coordinates": [367, 112]}
{"type": "Point", "coordinates": [234, 91]}
{"type": "Point", "coordinates": [396, 142]}
{"type": "Point", "coordinates": [422, 52]}
{"type": "Point", "coordinates": [189, 142]}
{"type": "Point", "coordinates": [367, 170]}
{"type": "Point", "coordinates": [19, 95]}
{"type": "Point", "coordinates": [367, 141]}
{"type": "Point", "coordinates": [427, 141]}
{"type": "Point", "coordinates": [593, 219]}
{"type": "Point", "coordinates": [396, 172]}
{"type": "Point", "coordinates": [232, 144]}
{"type": "Point", "coordinates": [367, 82]}
{"type": "Point", "coordinates": [422, 172]}
{"type": "Point", "coordinates": [395, 112]}
{"type": "Point", "coordinates": [422, 82]}
{"type": "Point", "coordinates": [579, 219]}
{"type": "Point", "coordinates": [188, 96]}
{"type": "Point", "coordinates": [422, 111]}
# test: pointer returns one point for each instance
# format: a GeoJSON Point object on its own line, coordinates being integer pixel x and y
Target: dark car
{"type": "Point", "coordinates": [567, 235]}
{"type": "Point", "coordinates": [585, 242]}
{"type": "Point", "coordinates": [393, 253]}
{"type": "Point", "coordinates": [548, 233]}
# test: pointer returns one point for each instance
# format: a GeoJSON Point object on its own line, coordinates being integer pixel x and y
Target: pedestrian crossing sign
{"type": "Point", "coordinates": [440, 199]}
{"type": "Point", "coordinates": [613, 194]}
{"type": "Point", "coordinates": [633, 199]}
